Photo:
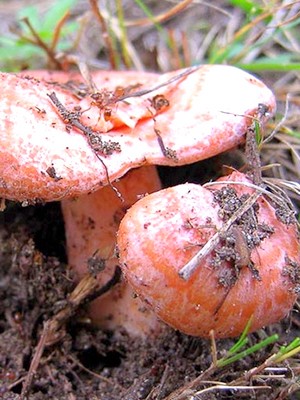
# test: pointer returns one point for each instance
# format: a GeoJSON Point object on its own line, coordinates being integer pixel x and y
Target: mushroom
{"type": "Point", "coordinates": [59, 141]}
{"type": "Point", "coordinates": [91, 223]}
{"type": "Point", "coordinates": [251, 274]}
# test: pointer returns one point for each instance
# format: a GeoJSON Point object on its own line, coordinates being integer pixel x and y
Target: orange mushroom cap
{"type": "Point", "coordinates": [210, 109]}
{"type": "Point", "coordinates": [163, 231]}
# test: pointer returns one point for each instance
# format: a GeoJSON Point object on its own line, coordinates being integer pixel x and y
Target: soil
{"type": "Point", "coordinates": [87, 362]}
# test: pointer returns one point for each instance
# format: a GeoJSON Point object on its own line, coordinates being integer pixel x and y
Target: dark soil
{"type": "Point", "coordinates": [88, 363]}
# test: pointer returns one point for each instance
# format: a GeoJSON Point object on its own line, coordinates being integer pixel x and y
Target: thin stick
{"type": "Point", "coordinates": [105, 35]}
{"type": "Point", "coordinates": [175, 78]}
{"type": "Point", "coordinates": [84, 71]}
{"type": "Point", "coordinates": [39, 42]}
{"type": "Point", "coordinates": [57, 30]}
{"type": "Point", "coordinates": [162, 17]}
{"type": "Point", "coordinates": [105, 288]}
{"type": "Point", "coordinates": [36, 360]}
{"type": "Point", "coordinates": [97, 145]}
{"type": "Point", "coordinates": [252, 155]}
{"type": "Point", "coordinates": [186, 271]}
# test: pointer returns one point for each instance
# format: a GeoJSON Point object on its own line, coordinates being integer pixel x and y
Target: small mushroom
{"type": "Point", "coordinates": [251, 274]}
{"type": "Point", "coordinates": [62, 141]}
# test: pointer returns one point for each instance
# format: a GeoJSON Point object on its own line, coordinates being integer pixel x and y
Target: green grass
{"type": "Point", "coordinates": [257, 16]}
{"type": "Point", "coordinates": [262, 25]}
{"type": "Point", "coordinates": [270, 362]}
{"type": "Point", "coordinates": [23, 48]}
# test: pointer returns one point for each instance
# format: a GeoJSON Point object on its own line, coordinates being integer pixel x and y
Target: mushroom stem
{"type": "Point", "coordinates": [91, 223]}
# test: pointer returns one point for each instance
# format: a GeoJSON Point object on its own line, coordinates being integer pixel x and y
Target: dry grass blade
{"type": "Point", "coordinates": [40, 43]}
{"type": "Point", "coordinates": [106, 37]}
{"type": "Point", "coordinates": [229, 388]}
{"type": "Point", "coordinates": [116, 27]}
{"type": "Point", "coordinates": [174, 11]}
{"type": "Point", "coordinates": [57, 31]}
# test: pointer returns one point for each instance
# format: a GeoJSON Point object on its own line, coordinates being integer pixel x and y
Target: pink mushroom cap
{"type": "Point", "coordinates": [162, 232]}
{"type": "Point", "coordinates": [210, 109]}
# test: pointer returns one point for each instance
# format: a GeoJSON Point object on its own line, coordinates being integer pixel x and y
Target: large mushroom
{"type": "Point", "coordinates": [60, 141]}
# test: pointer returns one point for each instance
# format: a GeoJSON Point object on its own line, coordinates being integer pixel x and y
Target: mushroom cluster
{"type": "Point", "coordinates": [96, 151]}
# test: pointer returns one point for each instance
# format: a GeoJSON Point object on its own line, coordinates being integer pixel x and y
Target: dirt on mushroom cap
{"type": "Point", "coordinates": [209, 112]}
{"type": "Point", "coordinates": [163, 231]}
